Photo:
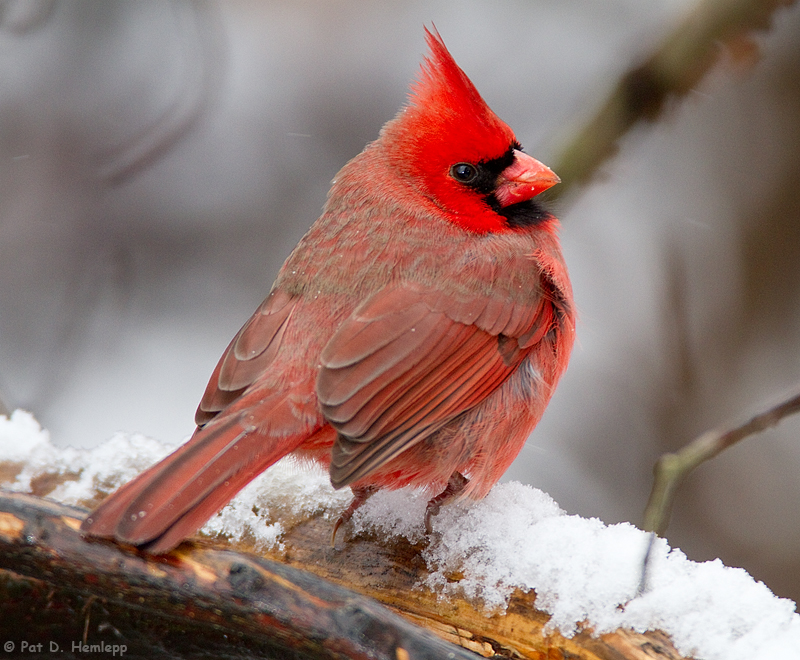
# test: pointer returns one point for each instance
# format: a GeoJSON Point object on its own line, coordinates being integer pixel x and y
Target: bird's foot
{"type": "Point", "coordinates": [455, 484]}
{"type": "Point", "coordinates": [360, 495]}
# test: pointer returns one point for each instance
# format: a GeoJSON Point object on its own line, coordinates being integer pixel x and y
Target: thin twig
{"type": "Point", "coordinates": [672, 468]}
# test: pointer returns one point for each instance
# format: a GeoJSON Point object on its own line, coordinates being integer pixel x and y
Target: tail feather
{"type": "Point", "coordinates": [175, 497]}
{"type": "Point", "coordinates": [197, 516]}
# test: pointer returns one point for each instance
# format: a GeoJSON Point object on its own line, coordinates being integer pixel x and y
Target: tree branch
{"type": "Point", "coordinates": [671, 71]}
{"type": "Point", "coordinates": [201, 601]}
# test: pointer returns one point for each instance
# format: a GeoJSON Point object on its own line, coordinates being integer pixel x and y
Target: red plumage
{"type": "Point", "coordinates": [412, 338]}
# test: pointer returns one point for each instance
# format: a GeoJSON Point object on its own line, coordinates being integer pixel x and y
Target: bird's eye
{"type": "Point", "coordinates": [464, 172]}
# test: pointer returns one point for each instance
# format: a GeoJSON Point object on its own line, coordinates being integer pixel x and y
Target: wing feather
{"type": "Point", "coordinates": [396, 356]}
{"type": "Point", "coordinates": [248, 355]}
{"type": "Point", "coordinates": [407, 362]}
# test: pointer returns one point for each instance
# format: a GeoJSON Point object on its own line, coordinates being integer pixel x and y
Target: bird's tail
{"type": "Point", "coordinates": [174, 498]}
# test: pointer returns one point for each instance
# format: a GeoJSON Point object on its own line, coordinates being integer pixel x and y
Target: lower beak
{"type": "Point", "coordinates": [525, 178]}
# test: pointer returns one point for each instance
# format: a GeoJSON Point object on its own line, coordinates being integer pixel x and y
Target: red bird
{"type": "Point", "coordinates": [413, 337]}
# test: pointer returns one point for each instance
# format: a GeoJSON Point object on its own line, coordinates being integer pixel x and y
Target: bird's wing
{"type": "Point", "coordinates": [409, 360]}
{"type": "Point", "coordinates": [248, 355]}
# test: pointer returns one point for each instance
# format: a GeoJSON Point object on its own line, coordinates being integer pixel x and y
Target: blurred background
{"type": "Point", "coordinates": [159, 160]}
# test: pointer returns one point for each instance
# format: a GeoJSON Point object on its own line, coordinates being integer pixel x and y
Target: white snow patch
{"type": "Point", "coordinates": [21, 436]}
{"type": "Point", "coordinates": [586, 571]}
{"type": "Point", "coordinates": [102, 468]}
{"type": "Point", "coordinates": [285, 493]}
{"type": "Point", "coordinates": [583, 571]}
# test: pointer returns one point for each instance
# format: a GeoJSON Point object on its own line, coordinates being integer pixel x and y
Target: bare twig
{"type": "Point", "coordinates": [672, 468]}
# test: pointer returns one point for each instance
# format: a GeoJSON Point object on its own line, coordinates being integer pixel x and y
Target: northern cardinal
{"type": "Point", "coordinates": [413, 337]}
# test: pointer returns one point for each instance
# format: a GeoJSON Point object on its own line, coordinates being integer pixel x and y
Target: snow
{"type": "Point", "coordinates": [103, 468]}
{"type": "Point", "coordinates": [283, 494]}
{"type": "Point", "coordinates": [585, 573]}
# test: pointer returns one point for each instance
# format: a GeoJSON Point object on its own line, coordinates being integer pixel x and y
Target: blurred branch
{"type": "Point", "coordinates": [675, 67]}
{"type": "Point", "coordinates": [196, 602]}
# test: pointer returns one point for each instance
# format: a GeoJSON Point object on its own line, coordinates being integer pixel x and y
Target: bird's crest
{"type": "Point", "coordinates": [444, 106]}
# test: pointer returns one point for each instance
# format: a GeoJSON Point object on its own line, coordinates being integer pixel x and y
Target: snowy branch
{"type": "Point", "coordinates": [204, 602]}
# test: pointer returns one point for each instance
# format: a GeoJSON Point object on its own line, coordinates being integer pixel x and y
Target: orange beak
{"type": "Point", "coordinates": [526, 177]}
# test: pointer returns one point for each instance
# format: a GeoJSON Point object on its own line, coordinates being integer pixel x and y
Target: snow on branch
{"type": "Point", "coordinates": [511, 575]}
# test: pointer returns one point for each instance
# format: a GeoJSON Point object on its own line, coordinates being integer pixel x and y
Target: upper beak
{"type": "Point", "coordinates": [526, 177]}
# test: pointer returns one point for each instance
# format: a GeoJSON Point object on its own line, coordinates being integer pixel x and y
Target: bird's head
{"type": "Point", "coordinates": [456, 151]}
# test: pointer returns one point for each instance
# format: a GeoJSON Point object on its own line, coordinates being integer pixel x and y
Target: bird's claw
{"type": "Point", "coordinates": [455, 485]}
{"type": "Point", "coordinates": [360, 495]}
